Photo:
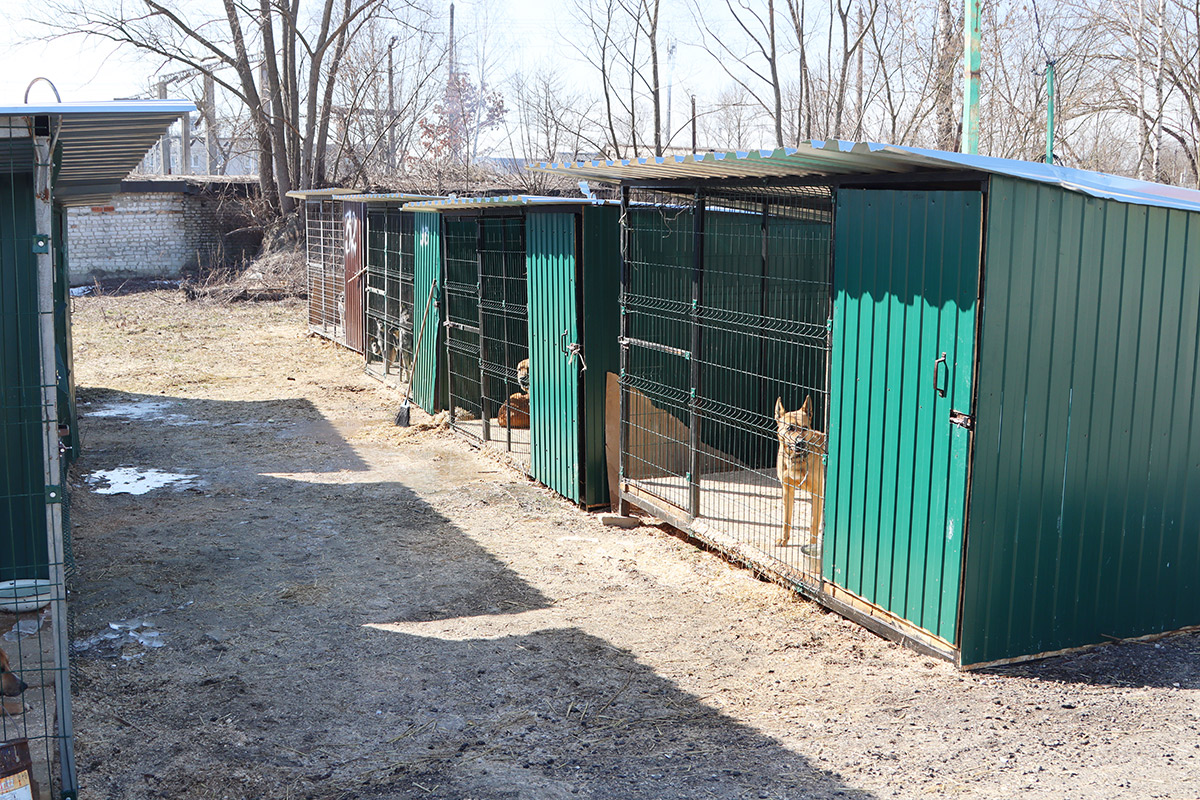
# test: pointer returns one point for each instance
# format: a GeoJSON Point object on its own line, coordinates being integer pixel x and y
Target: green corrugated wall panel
{"type": "Point", "coordinates": [1087, 448]}
{"type": "Point", "coordinates": [427, 270]}
{"type": "Point", "coordinates": [22, 487]}
{"type": "Point", "coordinates": [553, 323]}
{"type": "Point", "coordinates": [600, 326]}
{"type": "Point", "coordinates": [905, 278]}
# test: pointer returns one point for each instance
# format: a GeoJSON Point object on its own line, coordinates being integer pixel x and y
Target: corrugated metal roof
{"type": "Point", "coordinates": [101, 142]}
{"type": "Point", "coordinates": [388, 198]}
{"type": "Point", "coordinates": [319, 194]}
{"type": "Point", "coordinates": [513, 200]}
{"type": "Point", "coordinates": [836, 158]}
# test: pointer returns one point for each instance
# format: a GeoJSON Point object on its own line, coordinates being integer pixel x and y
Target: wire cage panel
{"type": "Point", "coordinates": [388, 295]}
{"type": "Point", "coordinates": [324, 237]}
{"type": "Point", "coordinates": [727, 311]}
{"type": "Point", "coordinates": [487, 346]}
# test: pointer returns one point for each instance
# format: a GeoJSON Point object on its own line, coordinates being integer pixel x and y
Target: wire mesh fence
{"type": "Point", "coordinates": [488, 330]}
{"type": "Point", "coordinates": [725, 302]}
{"type": "Point", "coordinates": [36, 427]}
{"type": "Point", "coordinates": [389, 295]}
{"type": "Point", "coordinates": [324, 229]}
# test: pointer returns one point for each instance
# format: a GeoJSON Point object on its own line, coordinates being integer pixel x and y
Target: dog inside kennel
{"type": "Point", "coordinates": [487, 330]}
{"type": "Point", "coordinates": [726, 308]}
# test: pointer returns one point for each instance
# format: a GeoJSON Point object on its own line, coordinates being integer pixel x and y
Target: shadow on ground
{"type": "Point", "coordinates": [274, 677]}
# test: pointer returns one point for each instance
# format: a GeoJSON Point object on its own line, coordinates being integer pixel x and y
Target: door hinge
{"type": "Point", "coordinates": [962, 420]}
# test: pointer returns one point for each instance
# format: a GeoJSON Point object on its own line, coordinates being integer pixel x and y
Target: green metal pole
{"type": "Point", "coordinates": [971, 65]}
{"type": "Point", "coordinates": [1049, 112]}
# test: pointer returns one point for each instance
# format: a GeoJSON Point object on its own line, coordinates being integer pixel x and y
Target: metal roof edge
{"type": "Point", "coordinates": [838, 157]}
{"type": "Point", "coordinates": [169, 106]}
{"type": "Point", "coordinates": [450, 204]}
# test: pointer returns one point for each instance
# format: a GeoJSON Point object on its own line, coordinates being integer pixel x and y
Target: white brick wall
{"type": "Point", "coordinates": [140, 235]}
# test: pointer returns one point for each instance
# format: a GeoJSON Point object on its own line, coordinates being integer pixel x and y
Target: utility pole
{"type": "Point", "coordinates": [391, 117]}
{"type": "Point", "coordinates": [693, 124]}
{"type": "Point", "coordinates": [670, 85]}
{"type": "Point", "coordinates": [972, 61]}
{"type": "Point", "coordinates": [1050, 111]}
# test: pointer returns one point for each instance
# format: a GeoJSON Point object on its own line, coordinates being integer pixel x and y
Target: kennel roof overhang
{"type": "Point", "coordinates": [386, 198]}
{"type": "Point", "coordinates": [101, 142]}
{"type": "Point", "coordinates": [331, 193]}
{"type": "Point", "coordinates": [526, 201]}
{"type": "Point", "coordinates": [836, 159]}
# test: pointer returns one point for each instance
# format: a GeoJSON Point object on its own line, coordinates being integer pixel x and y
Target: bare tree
{"type": "Point", "coordinates": [283, 57]}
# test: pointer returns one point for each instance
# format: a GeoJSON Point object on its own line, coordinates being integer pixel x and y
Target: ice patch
{"type": "Point", "coordinates": [138, 630]}
{"type": "Point", "coordinates": [139, 409]}
{"type": "Point", "coordinates": [131, 480]}
{"type": "Point", "coordinates": [143, 410]}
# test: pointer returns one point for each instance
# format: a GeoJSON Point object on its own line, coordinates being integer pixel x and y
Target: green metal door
{"type": "Point", "coordinates": [427, 268]}
{"type": "Point", "coordinates": [905, 279]}
{"type": "Point", "coordinates": [553, 366]}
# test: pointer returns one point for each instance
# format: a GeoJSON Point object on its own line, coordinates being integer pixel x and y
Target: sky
{"type": "Point", "coordinates": [89, 70]}
{"type": "Point", "coordinates": [82, 71]}
{"type": "Point", "coordinates": [525, 32]}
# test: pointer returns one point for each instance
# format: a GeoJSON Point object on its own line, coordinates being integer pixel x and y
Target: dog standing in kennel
{"type": "Point", "coordinates": [800, 465]}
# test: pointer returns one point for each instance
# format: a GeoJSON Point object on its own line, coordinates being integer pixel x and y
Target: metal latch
{"type": "Point", "coordinates": [962, 420]}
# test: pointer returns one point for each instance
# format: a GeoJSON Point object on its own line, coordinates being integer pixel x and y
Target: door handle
{"type": "Point", "coordinates": [937, 384]}
{"type": "Point", "coordinates": [562, 342]}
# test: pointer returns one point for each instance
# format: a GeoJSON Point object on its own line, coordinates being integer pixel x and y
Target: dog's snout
{"type": "Point", "coordinates": [23, 685]}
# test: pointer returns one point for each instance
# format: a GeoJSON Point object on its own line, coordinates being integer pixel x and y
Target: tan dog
{"type": "Point", "coordinates": [515, 413]}
{"type": "Point", "coordinates": [10, 686]}
{"type": "Point", "coordinates": [800, 465]}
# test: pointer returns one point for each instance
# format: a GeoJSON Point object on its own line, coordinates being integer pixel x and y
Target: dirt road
{"type": "Point", "coordinates": [313, 604]}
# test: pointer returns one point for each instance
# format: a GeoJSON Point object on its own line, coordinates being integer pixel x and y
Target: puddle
{"type": "Point", "coordinates": [131, 480]}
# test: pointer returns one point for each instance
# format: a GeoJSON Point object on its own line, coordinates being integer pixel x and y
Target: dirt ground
{"type": "Point", "coordinates": [321, 605]}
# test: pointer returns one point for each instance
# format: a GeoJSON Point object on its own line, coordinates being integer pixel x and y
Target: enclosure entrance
{"type": "Point", "coordinates": [726, 309]}
{"type": "Point", "coordinates": [389, 295]}
{"type": "Point", "coordinates": [326, 259]}
{"type": "Point", "coordinates": [487, 343]}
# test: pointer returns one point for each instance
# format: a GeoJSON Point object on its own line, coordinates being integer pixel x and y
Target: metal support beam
{"type": "Point", "coordinates": [164, 144]}
{"type": "Point", "coordinates": [52, 474]}
{"type": "Point", "coordinates": [623, 391]}
{"type": "Point", "coordinates": [694, 439]}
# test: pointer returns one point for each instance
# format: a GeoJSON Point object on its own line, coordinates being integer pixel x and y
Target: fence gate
{"type": "Point", "coordinates": [555, 359]}
{"type": "Point", "coordinates": [906, 272]}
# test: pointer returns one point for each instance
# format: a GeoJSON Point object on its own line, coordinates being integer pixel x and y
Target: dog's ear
{"type": "Point", "coordinates": [779, 412]}
{"type": "Point", "coordinates": [807, 406]}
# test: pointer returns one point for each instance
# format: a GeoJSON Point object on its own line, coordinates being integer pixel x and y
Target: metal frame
{"type": "Point", "coordinates": [388, 303]}
{"type": "Point", "coordinates": [711, 334]}
{"type": "Point", "coordinates": [326, 259]}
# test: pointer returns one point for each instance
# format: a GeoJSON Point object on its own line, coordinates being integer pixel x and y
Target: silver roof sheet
{"type": "Point", "coordinates": [388, 198]}
{"type": "Point", "coordinates": [101, 142]}
{"type": "Point", "coordinates": [331, 192]}
{"type": "Point", "coordinates": [837, 158]}
{"type": "Point", "coordinates": [508, 201]}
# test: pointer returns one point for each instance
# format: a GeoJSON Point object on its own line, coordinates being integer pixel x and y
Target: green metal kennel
{"type": "Point", "coordinates": [530, 280]}
{"type": "Point", "coordinates": [52, 156]}
{"type": "Point", "coordinates": [1006, 419]}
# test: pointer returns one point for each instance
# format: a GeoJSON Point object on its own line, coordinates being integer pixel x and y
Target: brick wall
{"type": "Point", "coordinates": [142, 235]}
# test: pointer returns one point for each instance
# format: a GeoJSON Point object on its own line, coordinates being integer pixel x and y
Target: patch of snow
{"type": "Point", "coordinates": [131, 480]}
